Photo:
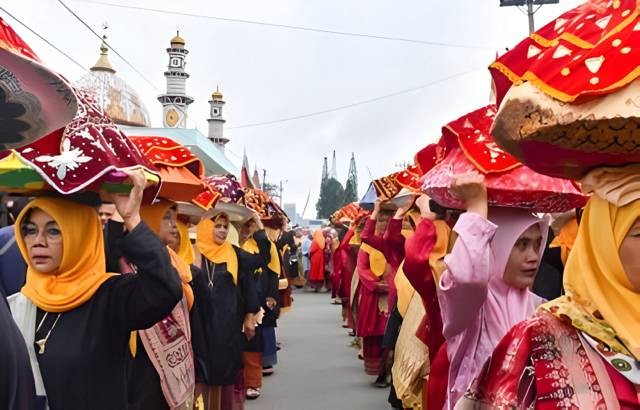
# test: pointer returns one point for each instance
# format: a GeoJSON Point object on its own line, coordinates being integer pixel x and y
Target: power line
{"type": "Point", "coordinates": [355, 104]}
{"type": "Point", "coordinates": [108, 45]}
{"type": "Point", "coordinates": [291, 27]}
{"type": "Point", "coordinates": [43, 39]}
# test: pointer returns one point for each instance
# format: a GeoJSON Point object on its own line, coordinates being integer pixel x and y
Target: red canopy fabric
{"type": "Point", "coordinates": [588, 51]}
{"type": "Point", "coordinates": [470, 147]}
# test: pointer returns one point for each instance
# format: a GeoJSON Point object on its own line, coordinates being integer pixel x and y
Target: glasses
{"type": "Point", "coordinates": [30, 232]}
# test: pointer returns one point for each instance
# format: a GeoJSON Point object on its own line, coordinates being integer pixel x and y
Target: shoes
{"type": "Point", "coordinates": [382, 382]}
{"type": "Point", "coordinates": [252, 394]}
{"type": "Point", "coordinates": [336, 301]}
{"type": "Point", "coordinates": [360, 356]}
{"type": "Point", "coordinates": [353, 334]}
{"type": "Point", "coordinates": [267, 371]}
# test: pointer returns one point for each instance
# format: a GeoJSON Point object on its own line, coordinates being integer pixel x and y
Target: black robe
{"type": "Point", "coordinates": [16, 380]}
{"type": "Point", "coordinates": [217, 316]}
{"type": "Point", "coordinates": [84, 364]}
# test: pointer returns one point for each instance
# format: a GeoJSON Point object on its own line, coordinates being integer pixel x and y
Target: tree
{"type": "Point", "coordinates": [331, 198]}
{"type": "Point", "coordinates": [350, 194]}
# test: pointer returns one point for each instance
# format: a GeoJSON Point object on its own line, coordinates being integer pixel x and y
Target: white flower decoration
{"type": "Point", "coordinates": [68, 159]}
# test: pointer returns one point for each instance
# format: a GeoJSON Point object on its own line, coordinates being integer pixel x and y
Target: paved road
{"type": "Point", "coordinates": [317, 369]}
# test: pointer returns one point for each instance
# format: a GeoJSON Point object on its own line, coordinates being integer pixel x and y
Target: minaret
{"type": "Point", "coordinates": [334, 172]}
{"type": "Point", "coordinates": [325, 171]}
{"type": "Point", "coordinates": [351, 187]}
{"type": "Point", "coordinates": [216, 122]}
{"type": "Point", "coordinates": [175, 101]}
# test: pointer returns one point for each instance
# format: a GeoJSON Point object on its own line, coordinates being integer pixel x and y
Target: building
{"type": "Point", "coordinates": [127, 109]}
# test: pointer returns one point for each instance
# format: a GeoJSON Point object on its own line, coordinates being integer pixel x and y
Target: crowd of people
{"type": "Point", "coordinates": [500, 270]}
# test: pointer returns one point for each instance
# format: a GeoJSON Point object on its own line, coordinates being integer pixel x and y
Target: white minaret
{"type": "Point", "coordinates": [175, 101]}
{"type": "Point", "coordinates": [216, 122]}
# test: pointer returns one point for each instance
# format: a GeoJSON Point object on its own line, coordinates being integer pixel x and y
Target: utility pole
{"type": "Point", "coordinates": [264, 179]}
{"type": "Point", "coordinates": [530, 14]}
{"type": "Point", "coordinates": [530, 11]}
{"type": "Point", "coordinates": [280, 193]}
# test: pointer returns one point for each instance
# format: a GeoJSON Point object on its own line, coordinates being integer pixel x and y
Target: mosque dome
{"type": "Point", "coordinates": [121, 102]}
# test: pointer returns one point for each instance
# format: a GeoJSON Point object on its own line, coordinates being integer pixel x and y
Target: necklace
{"type": "Point", "coordinates": [210, 273]}
{"type": "Point", "coordinates": [43, 342]}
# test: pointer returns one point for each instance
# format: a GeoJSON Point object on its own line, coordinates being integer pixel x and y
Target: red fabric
{"type": "Point", "coordinates": [418, 272]}
{"type": "Point", "coordinates": [625, 391]}
{"type": "Point", "coordinates": [373, 353]}
{"type": "Point", "coordinates": [580, 42]}
{"type": "Point", "coordinates": [394, 252]}
{"type": "Point", "coordinates": [340, 264]}
{"type": "Point", "coordinates": [470, 147]}
{"type": "Point", "coordinates": [371, 321]}
{"type": "Point", "coordinates": [317, 262]}
{"type": "Point", "coordinates": [438, 379]}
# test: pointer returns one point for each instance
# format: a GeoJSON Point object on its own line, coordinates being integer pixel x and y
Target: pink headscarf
{"type": "Point", "coordinates": [506, 304]}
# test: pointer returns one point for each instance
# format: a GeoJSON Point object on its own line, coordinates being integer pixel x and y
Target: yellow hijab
{"type": "Point", "coordinates": [377, 261]}
{"type": "Point", "coordinates": [186, 250]}
{"type": "Point", "coordinates": [251, 246]}
{"type": "Point", "coordinates": [153, 215]}
{"type": "Point", "coordinates": [566, 238]}
{"type": "Point", "coordinates": [82, 269]}
{"type": "Point", "coordinates": [600, 300]}
{"type": "Point", "coordinates": [216, 253]}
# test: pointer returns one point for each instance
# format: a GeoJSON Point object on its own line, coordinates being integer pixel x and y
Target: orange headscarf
{"type": "Point", "coordinates": [186, 249]}
{"type": "Point", "coordinates": [318, 238]}
{"type": "Point", "coordinates": [216, 253]}
{"type": "Point", "coordinates": [153, 215]}
{"type": "Point", "coordinates": [565, 239]}
{"type": "Point", "coordinates": [82, 269]}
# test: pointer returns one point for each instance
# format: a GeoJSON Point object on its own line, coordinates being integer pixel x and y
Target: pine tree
{"type": "Point", "coordinates": [331, 198]}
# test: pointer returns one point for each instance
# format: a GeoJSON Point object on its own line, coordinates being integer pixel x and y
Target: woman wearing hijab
{"type": "Point", "coordinates": [76, 318]}
{"type": "Point", "coordinates": [485, 289]}
{"type": "Point", "coordinates": [317, 256]}
{"type": "Point", "coordinates": [582, 349]}
{"type": "Point", "coordinates": [162, 374]}
{"type": "Point", "coordinates": [226, 301]}
{"type": "Point", "coordinates": [255, 241]}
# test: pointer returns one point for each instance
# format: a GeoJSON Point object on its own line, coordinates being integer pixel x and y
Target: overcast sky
{"type": "Point", "coordinates": [268, 73]}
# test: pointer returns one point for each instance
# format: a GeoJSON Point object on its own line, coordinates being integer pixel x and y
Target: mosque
{"type": "Point", "coordinates": [127, 109]}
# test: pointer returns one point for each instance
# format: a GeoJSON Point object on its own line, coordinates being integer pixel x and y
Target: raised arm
{"type": "Point", "coordinates": [464, 285]}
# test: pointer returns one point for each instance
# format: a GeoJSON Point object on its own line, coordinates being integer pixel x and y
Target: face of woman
{"type": "Point", "coordinates": [168, 232]}
{"type": "Point", "coordinates": [43, 239]}
{"type": "Point", "coordinates": [522, 265]}
{"type": "Point", "coordinates": [630, 255]}
{"type": "Point", "coordinates": [248, 229]}
{"type": "Point", "coordinates": [220, 231]}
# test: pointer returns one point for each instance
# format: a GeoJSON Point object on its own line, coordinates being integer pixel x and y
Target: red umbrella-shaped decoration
{"type": "Point", "coordinates": [348, 213]}
{"type": "Point", "coordinates": [568, 94]}
{"type": "Point", "coordinates": [471, 148]}
{"type": "Point", "coordinates": [227, 194]}
{"type": "Point", "coordinates": [180, 170]}
{"type": "Point", "coordinates": [90, 153]}
{"type": "Point", "coordinates": [34, 100]}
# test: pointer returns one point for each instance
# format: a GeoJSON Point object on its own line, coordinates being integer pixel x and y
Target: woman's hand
{"type": "Point", "coordinates": [401, 212]}
{"type": "Point", "coordinates": [469, 188]}
{"type": "Point", "coordinates": [271, 303]}
{"type": "Point", "coordinates": [128, 206]}
{"type": "Point", "coordinates": [249, 326]}
{"type": "Point", "coordinates": [376, 209]}
{"type": "Point", "coordinates": [258, 221]}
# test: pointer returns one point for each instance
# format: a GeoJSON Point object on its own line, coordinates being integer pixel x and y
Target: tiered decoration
{"type": "Point", "coordinates": [90, 153]}
{"type": "Point", "coordinates": [471, 148]}
{"type": "Point", "coordinates": [181, 172]}
{"type": "Point", "coordinates": [571, 91]}
{"type": "Point", "coordinates": [348, 214]}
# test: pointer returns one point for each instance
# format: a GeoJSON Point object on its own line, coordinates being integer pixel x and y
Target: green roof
{"type": "Point", "coordinates": [213, 157]}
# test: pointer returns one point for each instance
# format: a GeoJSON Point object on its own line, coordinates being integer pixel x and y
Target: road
{"type": "Point", "coordinates": [317, 370]}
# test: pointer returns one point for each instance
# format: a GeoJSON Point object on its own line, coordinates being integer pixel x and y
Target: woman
{"type": "Point", "coordinates": [225, 303]}
{"type": "Point", "coordinates": [582, 349]}
{"type": "Point", "coordinates": [162, 374]}
{"type": "Point", "coordinates": [485, 289]}
{"type": "Point", "coordinates": [255, 241]}
{"type": "Point", "coordinates": [317, 256]}
{"type": "Point", "coordinates": [79, 316]}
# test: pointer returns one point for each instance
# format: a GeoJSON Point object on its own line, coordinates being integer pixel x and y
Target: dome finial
{"type": "Point", "coordinates": [217, 95]}
{"type": "Point", "coordinates": [177, 40]}
{"type": "Point", "coordinates": [103, 63]}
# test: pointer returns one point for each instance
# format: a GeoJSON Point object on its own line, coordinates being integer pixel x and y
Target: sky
{"type": "Point", "coordinates": [271, 73]}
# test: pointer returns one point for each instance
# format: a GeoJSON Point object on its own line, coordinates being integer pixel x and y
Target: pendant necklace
{"type": "Point", "coordinates": [210, 275]}
{"type": "Point", "coordinates": [42, 342]}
